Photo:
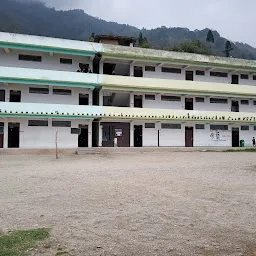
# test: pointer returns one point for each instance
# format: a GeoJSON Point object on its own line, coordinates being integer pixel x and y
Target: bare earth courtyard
{"type": "Point", "coordinates": [159, 203]}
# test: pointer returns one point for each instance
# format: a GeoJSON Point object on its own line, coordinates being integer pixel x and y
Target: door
{"type": "Point", "coordinates": [138, 135]}
{"type": "Point", "coordinates": [189, 75]}
{"type": "Point", "coordinates": [235, 137]}
{"type": "Point", "coordinates": [15, 96]}
{"type": "Point", "coordinates": [1, 135]}
{"type": "Point", "coordinates": [189, 104]}
{"type": "Point", "coordinates": [2, 95]}
{"type": "Point", "coordinates": [83, 137]}
{"type": "Point", "coordinates": [138, 101]}
{"type": "Point", "coordinates": [235, 79]}
{"type": "Point", "coordinates": [189, 136]}
{"type": "Point", "coordinates": [138, 71]}
{"type": "Point", "coordinates": [234, 106]}
{"type": "Point", "coordinates": [13, 135]}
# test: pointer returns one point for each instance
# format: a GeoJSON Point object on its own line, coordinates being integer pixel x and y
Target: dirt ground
{"type": "Point", "coordinates": [168, 203]}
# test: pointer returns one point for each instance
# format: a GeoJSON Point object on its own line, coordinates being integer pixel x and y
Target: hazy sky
{"type": "Point", "coordinates": [233, 19]}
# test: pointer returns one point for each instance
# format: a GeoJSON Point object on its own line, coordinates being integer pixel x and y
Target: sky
{"type": "Point", "coordinates": [233, 19]}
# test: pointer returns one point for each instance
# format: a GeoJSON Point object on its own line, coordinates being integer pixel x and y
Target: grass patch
{"type": "Point", "coordinates": [17, 243]}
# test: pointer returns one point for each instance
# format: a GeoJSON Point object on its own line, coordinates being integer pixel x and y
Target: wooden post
{"type": "Point", "coordinates": [56, 141]}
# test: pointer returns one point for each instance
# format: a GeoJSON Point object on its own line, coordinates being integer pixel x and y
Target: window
{"type": "Point", "coordinates": [171, 126]}
{"type": "Point", "coordinates": [170, 98]}
{"type": "Point", "coordinates": [254, 128]}
{"type": "Point", "coordinates": [244, 128]}
{"type": "Point", "coordinates": [254, 102]}
{"type": "Point", "coordinates": [65, 61]}
{"type": "Point", "coordinates": [199, 99]}
{"type": "Point", "coordinates": [61, 123]}
{"type": "Point", "coordinates": [150, 68]}
{"type": "Point", "coordinates": [254, 77]}
{"type": "Point", "coordinates": [200, 73]}
{"type": "Point", "coordinates": [37, 123]}
{"type": "Point", "coordinates": [62, 92]}
{"type": "Point", "coordinates": [76, 131]}
{"type": "Point", "coordinates": [30, 58]}
{"type": "Point", "coordinates": [39, 90]}
{"type": "Point", "coordinates": [171, 70]}
{"type": "Point", "coordinates": [150, 97]}
{"type": "Point", "coordinates": [219, 127]}
{"type": "Point", "coordinates": [243, 76]}
{"type": "Point", "coordinates": [219, 74]}
{"type": "Point", "coordinates": [217, 100]}
{"type": "Point", "coordinates": [150, 125]}
{"type": "Point", "coordinates": [200, 126]}
{"type": "Point", "coordinates": [1, 128]}
{"type": "Point", "coordinates": [245, 102]}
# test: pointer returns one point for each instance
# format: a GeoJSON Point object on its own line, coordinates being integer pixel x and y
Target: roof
{"type": "Point", "coordinates": [123, 40]}
{"type": "Point", "coordinates": [35, 110]}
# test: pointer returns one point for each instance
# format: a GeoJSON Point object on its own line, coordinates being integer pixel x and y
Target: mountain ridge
{"type": "Point", "coordinates": [35, 18]}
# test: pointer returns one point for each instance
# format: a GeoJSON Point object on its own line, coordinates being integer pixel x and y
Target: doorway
{"type": "Point", "coordinates": [83, 99]}
{"type": "Point", "coordinates": [138, 135]}
{"type": "Point", "coordinates": [189, 104]}
{"type": "Point", "coordinates": [234, 106]}
{"type": "Point", "coordinates": [83, 136]}
{"type": "Point", "coordinates": [189, 137]}
{"type": "Point", "coordinates": [138, 101]}
{"type": "Point", "coordinates": [2, 95]}
{"type": "Point", "coordinates": [15, 96]}
{"type": "Point", "coordinates": [138, 71]}
{"type": "Point", "coordinates": [235, 137]}
{"type": "Point", "coordinates": [235, 79]}
{"type": "Point", "coordinates": [13, 135]}
{"type": "Point", "coordinates": [189, 75]}
{"type": "Point", "coordinates": [1, 135]}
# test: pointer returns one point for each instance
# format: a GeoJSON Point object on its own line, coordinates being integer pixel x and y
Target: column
{"type": "Point", "coordinates": [7, 95]}
{"type": "Point", "coordinates": [5, 134]}
{"type": "Point", "coordinates": [90, 134]}
{"type": "Point", "coordinates": [101, 98]}
{"type": "Point", "coordinates": [131, 134]}
{"type": "Point", "coordinates": [131, 70]}
{"type": "Point", "coordinates": [132, 100]}
{"type": "Point", "coordinates": [101, 67]}
{"type": "Point", "coordinates": [90, 97]}
{"type": "Point", "coordinates": [100, 135]}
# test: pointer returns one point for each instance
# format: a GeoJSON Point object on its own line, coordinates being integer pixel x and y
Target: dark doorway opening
{"type": "Point", "coordinates": [138, 101]}
{"type": "Point", "coordinates": [189, 104]}
{"type": "Point", "coordinates": [190, 75]}
{"type": "Point", "coordinates": [13, 135]}
{"type": "Point", "coordinates": [138, 71]}
{"type": "Point", "coordinates": [83, 99]}
{"type": "Point", "coordinates": [234, 106]}
{"type": "Point", "coordinates": [15, 96]}
{"type": "Point", "coordinates": [2, 95]}
{"type": "Point", "coordinates": [138, 135]}
{"type": "Point", "coordinates": [83, 136]}
{"type": "Point", "coordinates": [189, 137]}
{"type": "Point", "coordinates": [235, 79]}
{"type": "Point", "coordinates": [109, 68]}
{"type": "Point", "coordinates": [1, 135]}
{"type": "Point", "coordinates": [95, 133]}
{"type": "Point", "coordinates": [235, 137]}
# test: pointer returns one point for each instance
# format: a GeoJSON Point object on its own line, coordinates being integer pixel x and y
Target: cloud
{"type": "Point", "coordinates": [232, 19]}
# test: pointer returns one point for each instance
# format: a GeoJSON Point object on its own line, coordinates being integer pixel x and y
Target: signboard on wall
{"type": "Point", "coordinates": [118, 132]}
{"type": "Point", "coordinates": [220, 135]}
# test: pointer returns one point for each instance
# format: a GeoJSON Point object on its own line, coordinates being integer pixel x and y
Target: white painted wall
{"type": "Point", "coordinates": [150, 136]}
{"type": "Point", "coordinates": [48, 62]}
{"type": "Point", "coordinates": [46, 98]}
{"type": "Point", "coordinates": [32, 137]}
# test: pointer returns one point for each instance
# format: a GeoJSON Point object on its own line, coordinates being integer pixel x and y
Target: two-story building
{"type": "Point", "coordinates": [110, 93]}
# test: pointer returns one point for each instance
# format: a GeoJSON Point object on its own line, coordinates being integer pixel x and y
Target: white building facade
{"type": "Point", "coordinates": [100, 95]}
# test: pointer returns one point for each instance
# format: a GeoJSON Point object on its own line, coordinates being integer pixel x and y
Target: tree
{"type": "Point", "coordinates": [228, 49]}
{"type": "Point", "coordinates": [210, 38]}
{"type": "Point", "coordinates": [143, 41]}
{"type": "Point", "coordinates": [140, 39]}
{"type": "Point", "coordinates": [91, 39]}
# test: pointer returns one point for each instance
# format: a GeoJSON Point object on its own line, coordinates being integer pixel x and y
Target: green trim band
{"type": "Point", "coordinates": [46, 49]}
{"type": "Point", "coordinates": [46, 82]}
{"type": "Point", "coordinates": [46, 116]}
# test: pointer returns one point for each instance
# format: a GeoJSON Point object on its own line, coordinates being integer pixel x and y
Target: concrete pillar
{"type": "Point", "coordinates": [101, 67]}
{"type": "Point", "coordinates": [7, 94]}
{"type": "Point", "coordinates": [131, 70]}
{"type": "Point", "coordinates": [90, 134]}
{"type": "Point", "coordinates": [101, 98]}
{"type": "Point", "coordinates": [132, 100]}
{"type": "Point", "coordinates": [5, 134]}
{"type": "Point", "coordinates": [90, 97]}
{"type": "Point", "coordinates": [131, 134]}
{"type": "Point", "coordinates": [100, 135]}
